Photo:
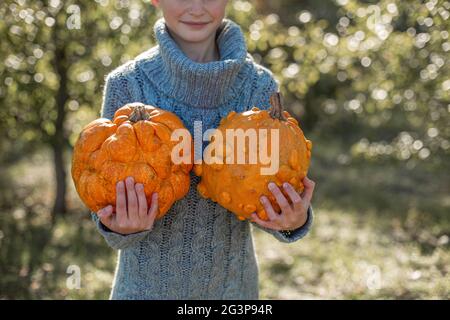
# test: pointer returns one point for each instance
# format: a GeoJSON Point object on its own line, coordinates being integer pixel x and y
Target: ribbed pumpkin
{"type": "Point", "coordinates": [238, 187]}
{"type": "Point", "coordinates": [136, 143]}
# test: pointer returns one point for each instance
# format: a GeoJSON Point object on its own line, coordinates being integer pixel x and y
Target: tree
{"type": "Point", "coordinates": [373, 74]}
{"type": "Point", "coordinates": [56, 56]}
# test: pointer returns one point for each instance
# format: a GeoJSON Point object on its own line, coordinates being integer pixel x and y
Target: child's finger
{"type": "Point", "coordinates": [105, 215]}
{"type": "Point", "coordinates": [273, 216]}
{"type": "Point", "coordinates": [293, 195]}
{"type": "Point", "coordinates": [279, 196]}
{"type": "Point", "coordinates": [263, 223]}
{"type": "Point", "coordinates": [142, 200]}
{"type": "Point", "coordinates": [153, 211]}
{"type": "Point", "coordinates": [121, 202]}
{"type": "Point", "coordinates": [309, 189]}
{"type": "Point", "coordinates": [132, 202]}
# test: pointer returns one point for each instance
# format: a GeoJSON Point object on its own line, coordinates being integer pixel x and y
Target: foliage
{"type": "Point", "coordinates": [46, 42]}
{"type": "Point", "coordinates": [379, 77]}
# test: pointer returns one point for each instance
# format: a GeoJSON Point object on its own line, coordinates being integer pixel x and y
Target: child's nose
{"type": "Point", "coordinates": [196, 8]}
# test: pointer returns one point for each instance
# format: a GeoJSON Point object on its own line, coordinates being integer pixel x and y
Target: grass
{"type": "Point", "coordinates": [376, 235]}
{"type": "Point", "coordinates": [351, 257]}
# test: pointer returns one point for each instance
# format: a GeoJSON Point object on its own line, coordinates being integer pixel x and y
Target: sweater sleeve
{"type": "Point", "coordinates": [291, 236]}
{"type": "Point", "coordinates": [115, 96]}
{"type": "Point", "coordinates": [267, 86]}
{"type": "Point", "coordinates": [116, 240]}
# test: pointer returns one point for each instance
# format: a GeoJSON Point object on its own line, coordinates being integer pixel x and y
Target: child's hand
{"type": "Point", "coordinates": [292, 216]}
{"type": "Point", "coordinates": [131, 214]}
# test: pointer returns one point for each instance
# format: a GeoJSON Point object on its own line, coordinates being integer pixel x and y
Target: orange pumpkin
{"type": "Point", "coordinates": [238, 187]}
{"type": "Point", "coordinates": [136, 143]}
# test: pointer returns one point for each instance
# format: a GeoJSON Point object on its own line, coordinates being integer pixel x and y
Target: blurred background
{"type": "Point", "coordinates": [369, 82]}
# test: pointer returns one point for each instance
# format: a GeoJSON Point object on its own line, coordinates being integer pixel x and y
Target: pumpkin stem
{"type": "Point", "coordinates": [276, 112]}
{"type": "Point", "coordinates": [139, 113]}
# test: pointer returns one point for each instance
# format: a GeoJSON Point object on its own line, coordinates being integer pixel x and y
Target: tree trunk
{"type": "Point", "coordinates": [59, 205]}
{"type": "Point", "coordinates": [59, 140]}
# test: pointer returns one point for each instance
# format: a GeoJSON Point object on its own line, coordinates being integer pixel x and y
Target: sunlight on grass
{"type": "Point", "coordinates": [346, 256]}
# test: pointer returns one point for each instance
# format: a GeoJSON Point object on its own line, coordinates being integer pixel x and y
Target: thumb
{"type": "Point", "coordinates": [105, 215]}
{"type": "Point", "coordinates": [308, 181]}
{"type": "Point", "coordinates": [309, 189]}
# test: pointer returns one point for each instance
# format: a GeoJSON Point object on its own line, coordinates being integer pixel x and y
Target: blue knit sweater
{"type": "Point", "coordinates": [198, 250]}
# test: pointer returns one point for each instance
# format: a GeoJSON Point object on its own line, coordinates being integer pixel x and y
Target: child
{"type": "Point", "coordinates": [200, 70]}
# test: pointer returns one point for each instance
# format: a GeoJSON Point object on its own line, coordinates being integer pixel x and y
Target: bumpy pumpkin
{"type": "Point", "coordinates": [238, 187]}
{"type": "Point", "coordinates": [136, 143]}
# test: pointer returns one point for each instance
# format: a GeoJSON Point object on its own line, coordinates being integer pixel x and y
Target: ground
{"type": "Point", "coordinates": [375, 235]}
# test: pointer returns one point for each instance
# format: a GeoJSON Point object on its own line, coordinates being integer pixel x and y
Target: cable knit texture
{"type": "Point", "coordinates": [198, 250]}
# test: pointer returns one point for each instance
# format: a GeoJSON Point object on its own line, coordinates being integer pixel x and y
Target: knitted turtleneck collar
{"type": "Point", "coordinates": [203, 85]}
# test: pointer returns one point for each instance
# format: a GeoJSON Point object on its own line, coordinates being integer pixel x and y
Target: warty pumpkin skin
{"type": "Point", "coordinates": [136, 143]}
{"type": "Point", "coordinates": [238, 187]}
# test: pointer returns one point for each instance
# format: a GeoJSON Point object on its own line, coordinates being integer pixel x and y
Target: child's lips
{"type": "Point", "coordinates": [196, 25]}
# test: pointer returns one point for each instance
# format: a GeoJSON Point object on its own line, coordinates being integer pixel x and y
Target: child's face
{"type": "Point", "coordinates": [192, 20]}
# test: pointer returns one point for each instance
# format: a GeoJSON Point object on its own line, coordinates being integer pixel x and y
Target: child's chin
{"type": "Point", "coordinates": [196, 36]}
